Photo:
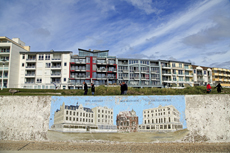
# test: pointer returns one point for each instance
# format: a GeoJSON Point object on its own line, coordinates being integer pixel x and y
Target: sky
{"type": "Point", "coordinates": [196, 31]}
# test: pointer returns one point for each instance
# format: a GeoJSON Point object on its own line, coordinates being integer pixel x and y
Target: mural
{"type": "Point", "coordinates": [117, 114]}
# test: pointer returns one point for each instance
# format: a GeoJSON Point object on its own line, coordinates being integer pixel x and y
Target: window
{"type": "Point", "coordinates": [23, 56]}
{"type": "Point", "coordinates": [22, 64]}
{"type": "Point", "coordinates": [180, 65]}
{"type": "Point", "coordinates": [47, 65]}
{"type": "Point", "coordinates": [64, 79]}
{"type": "Point", "coordinates": [65, 64]}
{"type": "Point", "coordinates": [66, 112]}
{"type": "Point", "coordinates": [204, 72]}
{"type": "Point", "coordinates": [40, 57]}
{"type": "Point", "coordinates": [47, 57]}
{"type": "Point", "coordinates": [194, 71]}
{"type": "Point", "coordinates": [39, 80]}
{"type": "Point", "coordinates": [173, 65]}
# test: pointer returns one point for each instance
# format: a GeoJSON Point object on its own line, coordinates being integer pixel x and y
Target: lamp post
{"type": "Point", "coordinates": [3, 63]}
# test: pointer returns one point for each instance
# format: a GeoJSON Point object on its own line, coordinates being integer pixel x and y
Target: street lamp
{"type": "Point", "coordinates": [3, 63]}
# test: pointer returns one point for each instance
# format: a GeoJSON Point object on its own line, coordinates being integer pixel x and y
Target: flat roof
{"type": "Point", "coordinates": [50, 52]}
{"type": "Point", "coordinates": [92, 51]}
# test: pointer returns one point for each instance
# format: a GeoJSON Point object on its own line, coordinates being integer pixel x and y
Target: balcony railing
{"type": "Point", "coordinates": [125, 71]}
{"type": "Point", "coordinates": [98, 62]}
{"type": "Point", "coordinates": [31, 59]}
{"type": "Point", "coordinates": [56, 58]}
{"type": "Point", "coordinates": [123, 63]}
{"type": "Point", "coordinates": [56, 66]}
{"type": "Point", "coordinates": [32, 74]}
{"type": "Point", "coordinates": [55, 74]}
{"type": "Point", "coordinates": [29, 82]}
{"type": "Point", "coordinates": [30, 67]}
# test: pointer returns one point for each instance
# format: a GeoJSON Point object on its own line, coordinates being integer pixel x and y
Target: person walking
{"type": "Point", "coordinates": [122, 88]}
{"type": "Point", "coordinates": [125, 88]}
{"type": "Point", "coordinates": [85, 88]}
{"type": "Point", "coordinates": [209, 88]}
{"type": "Point", "coordinates": [92, 88]}
{"type": "Point", "coordinates": [219, 87]}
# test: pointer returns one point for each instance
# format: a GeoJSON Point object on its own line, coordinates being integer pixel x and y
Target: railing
{"type": "Point", "coordinates": [103, 69]}
{"type": "Point", "coordinates": [57, 58]}
{"type": "Point", "coordinates": [123, 63]}
{"type": "Point", "coordinates": [5, 68]}
{"type": "Point", "coordinates": [136, 77]}
{"type": "Point", "coordinates": [4, 76]}
{"type": "Point", "coordinates": [56, 66]}
{"type": "Point", "coordinates": [33, 74]}
{"type": "Point", "coordinates": [112, 70]}
{"type": "Point", "coordinates": [111, 77]}
{"type": "Point", "coordinates": [29, 82]}
{"type": "Point", "coordinates": [101, 62]}
{"type": "Point", "coordinates": [166, 80]}
{"type": "Point", "coordinates": [125, 71]}
{"type": "Point", "coordinates": [30, 66]}
{"type": "Point", "coordinates": [4, 51]}
{"type": "Point", "coordinates": [31, 59]}
{"type": "Point", "coordinates": [166, 73]}
{"type": "Point", "coordinates": [145, 71]}
{"type": "Point", "coordinates": [55, 74]}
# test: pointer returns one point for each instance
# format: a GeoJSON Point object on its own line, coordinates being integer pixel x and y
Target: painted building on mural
{"type": "Point", "coordinates": [82, 119]}
{"type": "Point", "coordinates": [9, 52]}
{"type": "Point", "coordinates": [127, 121]}
{"type": "Point", "coordinates": [162, 118]}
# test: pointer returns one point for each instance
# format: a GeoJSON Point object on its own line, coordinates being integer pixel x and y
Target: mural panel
{"type": "Point", "coordinates": [117, 114]}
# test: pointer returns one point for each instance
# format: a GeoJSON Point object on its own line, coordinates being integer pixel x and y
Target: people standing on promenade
{"type": "Point", "coordinates": [219, 87]}
{"type": "Point", "coordinates": [125, 87]}
{"type": "Point", "coordinates": [92, 88]}
{"type": "Point", "coordinates": [85, 88]}
{"type": "Point", "coordinates": [122, 88]}
{"type": "Point", "coordinates": [209, 88]}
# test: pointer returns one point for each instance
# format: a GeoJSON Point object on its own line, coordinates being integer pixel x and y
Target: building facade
{"type": "Point", "coordinates": [92, 66]}
{"type": "Point", "coordinates": [176, 74]}
{"type": "Point", "coordinates": [162, 118]}
{"type": "Point", "coordinates": [82, 119]}
{"type": "Point", "coordinates": [9, 51]}
{"type": "Point", "coordinates": [221, 76]}
{"type": "Point", "coordinates": [202, 75]}
{"type": "Point", "coordinates": [127, 121]}
{"type": "Point", "coordinates": [44, 70]}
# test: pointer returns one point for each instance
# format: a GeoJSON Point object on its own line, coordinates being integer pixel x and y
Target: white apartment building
{"type": "Point", "coordinates": [104, 118]}
{"type": "Point", "coordinates": [9, 51]}
{"type": "Point", "coordinates": [44, 70]}
{"type": "Point", "coordinates": [162, 118]}
{"type": "Point", "coordinates": [202, 75]}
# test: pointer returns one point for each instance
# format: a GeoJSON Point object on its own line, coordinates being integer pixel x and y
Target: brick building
{"type": "Point", "coordinates": [127, 121]}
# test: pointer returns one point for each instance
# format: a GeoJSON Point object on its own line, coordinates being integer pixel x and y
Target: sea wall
{"type": "Point", "coordinates": [27, 117]}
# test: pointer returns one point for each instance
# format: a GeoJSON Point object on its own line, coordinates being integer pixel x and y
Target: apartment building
{"type": "Point", "coordinates": [92, 66]}
{"type": "Point", "coordinates": [162, 118]}
{"type": "Point", "coordinates": [127, 121]}
{"type": "Point", "coordinates": [202, 75]}
{"type": "Point", "coordinates": [221, 76]}
{"type": "Point", "coordinates": [139, 72]}
{"type": "Point", "coordinates": [176, 74]}
{"type": "Point", "coordinates": [9, 57]}
{"type": "Point", "coordinates": [44, 70]}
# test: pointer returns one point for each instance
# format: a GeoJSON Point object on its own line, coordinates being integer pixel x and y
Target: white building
{"type": "Point", "coordinates": [9, 51]}
{"type": "Point", "coordinates": [104, 118]}
{"type": "Point", "coordinates": [202, 75]}
{"type": "Point", "coordinates": [81, 119]}
{"type": "Point", "coordinates": [44, 70]}
{"type": "Point", "coordinates": [162, 118]}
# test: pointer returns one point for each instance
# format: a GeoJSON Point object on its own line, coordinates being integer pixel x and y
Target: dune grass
{"type": "Point", "coordinates": [106, 91]}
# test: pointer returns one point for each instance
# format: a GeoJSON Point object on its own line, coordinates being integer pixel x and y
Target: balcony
{"type": "Point", "coordinates": [56, 75]}
{"type": "Point", "coordinates": [136, 78]}
{"type": "Point", "coordinates": [31, 60]}
{"type": "Point", "coordinates": [101, 63]}
{"type": "Point", "coordinates": [166, 67]}
{"type": "Point", "coordinates": [154, 78]}
{"type": "Point", "coordinates": [154, 72]}
{"type": "Point", "coordinates": [30, 75]}
{"type": "Point", "coordinates": [136, 71]}
{"type": "Point", "coordinates": [123, 63]}
{"type": "Point", "coordinates": [111, 77]}
{"type": "Point", "coordinates": [188, 75]}
{"type": "Point", "coordinates": [4, 51]}
{"type": "Point", "coordinates": [30, 82]}
{"type": "Point", "coordinates": [56, 67]}
{"type": "Point", "coordinates": [166, 73]}
{"type": "Point", "coordinates": [154, 65]}
{"type": "Point", "coordinates": [101, 70]}
{"type": "Point", "coordinates": [56, 59]}
{"type": "Point", "coordinates": [5, 68]}
{"type": "Point", "coordinates": [4, 77]}
{"type": "Point", "coordinates": [125, 71]}
{"type": "Point", "coordinates": [101, 77]}
{"type": "Point", "coordinates": [30, 67]}
{"type": "Point", "coordinates": [111, 63]}
{"type": "Point", "coordinates": [181, 74]}
{"type": "Point", "coordinates": [188, 68]}
{"type": "Point", "coordinates": [112, 70]}
{"type": "Point", "coordinates": [144, 78]}
{"type": "Point", "coordinates": [145, 71]}
{"type": "Point", "coordinates": [166, 80]}
{"type": "Point", "coordinates": [125, 78]}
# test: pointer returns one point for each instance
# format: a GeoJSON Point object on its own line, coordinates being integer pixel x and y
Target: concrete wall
{"type": "Point", "coordinates": [27, 118]}
{"type": "Point", "coordinates": [24, 117]}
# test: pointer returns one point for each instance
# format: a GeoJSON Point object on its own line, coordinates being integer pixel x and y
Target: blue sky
{"type": "Point", "coordinates": [186, 30]}
{"type": "Point", "coordinates": [137, 103]}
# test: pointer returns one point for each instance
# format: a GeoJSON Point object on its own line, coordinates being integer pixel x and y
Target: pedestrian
{"type": "Point", "coordinates": [209, 88]}
{"type": "Point", "coordinates": [85, 88]}
{"type": "Point", "coordinates": [92, 88]}
{"type": "Point", "coordinates": [219, 87]}
{"type": "Point", "coordinates": [125, 86]}
{"type": "Point", "coordinates": [122, 88]}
